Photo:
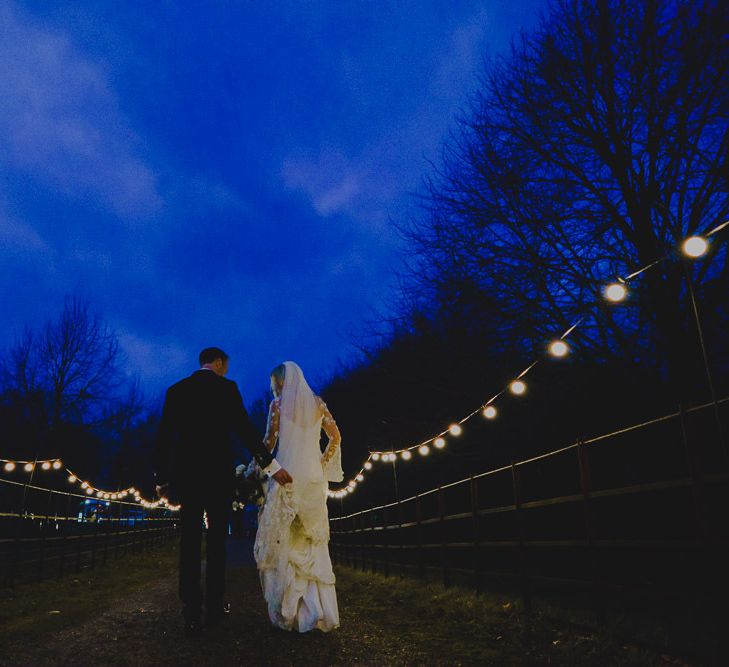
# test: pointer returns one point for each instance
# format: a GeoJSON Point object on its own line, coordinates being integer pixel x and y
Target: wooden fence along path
{"type": "Point", "coordinates": [48, 533]}
{"type": "Point", "coordinates": [638, 516]}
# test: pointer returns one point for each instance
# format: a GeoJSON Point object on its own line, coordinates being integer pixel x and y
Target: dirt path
{"type": "Point", "coordinates": [384, 622]}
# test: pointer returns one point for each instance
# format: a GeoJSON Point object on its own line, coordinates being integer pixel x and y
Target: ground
{"type": "Point", "coordinates": [127, 613]}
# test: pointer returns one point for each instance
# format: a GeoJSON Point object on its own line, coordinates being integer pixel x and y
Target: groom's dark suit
{"type": "Point", "coordinates": [194, 454]}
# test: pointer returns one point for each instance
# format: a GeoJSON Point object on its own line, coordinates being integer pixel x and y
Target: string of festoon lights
{"type": "Point", "coordinates": [11, 465]}
{"type": "Point", "coordinates": [614, 292]}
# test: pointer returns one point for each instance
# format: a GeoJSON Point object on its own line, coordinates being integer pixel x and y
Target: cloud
{"type": "Point", "coordinates": [330, 182]}
{"type": "Point", "coordinates": [19, 237]}
{"type": "Point", "coordinates": [155, 359]}
{"type": "Point", "coordinates": [60, 121]}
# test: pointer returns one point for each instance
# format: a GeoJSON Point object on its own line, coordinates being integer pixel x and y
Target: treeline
{"type": "Point", "coordinates": [65, 391]}
{"type": "Point", "coordinates": [590, 150]}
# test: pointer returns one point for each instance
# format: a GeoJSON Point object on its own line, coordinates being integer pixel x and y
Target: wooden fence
{"type": "Point", "coordinates": [46, 533]}
{"type": "Point", "coordinates": [632, 517]}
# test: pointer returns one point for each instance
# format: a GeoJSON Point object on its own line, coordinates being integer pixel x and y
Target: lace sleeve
{"type": "Point", "coordinates": [332, 431]}
{"type": "Point", "coordinates": [274, 415]}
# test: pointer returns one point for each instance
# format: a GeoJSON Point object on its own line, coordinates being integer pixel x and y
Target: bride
{"type": "Point", "coordinates": [292, 542]}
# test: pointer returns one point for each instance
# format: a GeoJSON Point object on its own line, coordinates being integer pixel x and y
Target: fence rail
{"type": "Point", "coordinates": [48, 533]}
{"type": "Point", "coordinates": [639, 513]}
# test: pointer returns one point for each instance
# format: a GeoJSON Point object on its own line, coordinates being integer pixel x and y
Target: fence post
{"type": "Point", "coordinates": [15, 561]}
{"type": "Point", "coordinates": [400, 540]}
{"type": "Point", "coordinates": [356, 546]}
{"type": "Point", "coordinates": [64, 538]}
{"type": "Point", "coordinates": [521, 536]}
{"type": "Point", "coordinates": [42, 554]}
{"type": "Point", "coordinates": [441, 532]}
{"type": "Point", "coordinates": [93, 544]}
{"type": "Point", "coordinates": [362, 542]}
{"type": "Point", "coordinates": [705, 568]}
{"type": "Point", "coordinates": [476, 535]}
{"type": "Point", "coordinates": [419, 529]}
{"type": "Point", "coordinates": [79, 539]}
{"type": "Point", "coordinates": [590, 531]}
{"type": "Point", "coordinates": [117, 532]}
{"type": "Point", "coordinates": [385, 542]}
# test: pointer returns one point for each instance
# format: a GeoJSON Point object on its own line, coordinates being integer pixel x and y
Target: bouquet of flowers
{"type": "Point", "coordinates": [249, 484]}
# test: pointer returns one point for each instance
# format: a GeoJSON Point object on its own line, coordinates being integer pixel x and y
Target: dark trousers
{"type": "Point", "coordinates": [217, 505]}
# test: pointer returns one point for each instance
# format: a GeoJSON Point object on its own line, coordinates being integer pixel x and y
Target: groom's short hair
{"type": "Point", "coordinates": [210, 354]}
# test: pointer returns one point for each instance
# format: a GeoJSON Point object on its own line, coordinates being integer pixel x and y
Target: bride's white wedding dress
{"type": "Point", "coordinates": [292, 542]}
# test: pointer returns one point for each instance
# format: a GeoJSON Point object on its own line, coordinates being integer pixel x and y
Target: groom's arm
{"type": "Point", "coordinates": [164, 442]}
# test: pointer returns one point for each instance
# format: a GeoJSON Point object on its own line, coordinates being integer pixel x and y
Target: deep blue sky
{"type": "Point", "coordinates": [224, 173]}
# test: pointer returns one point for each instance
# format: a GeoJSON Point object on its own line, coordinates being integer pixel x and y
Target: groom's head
{"type": "Point", "coordinates": [215, 360]}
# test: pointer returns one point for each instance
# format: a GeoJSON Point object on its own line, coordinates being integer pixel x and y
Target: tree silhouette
{"type": "Point", "coordinates": [592, 149]}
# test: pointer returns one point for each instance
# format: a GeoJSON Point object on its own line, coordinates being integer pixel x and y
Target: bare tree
{"type": "Point", "coordinates": [74, 364]}
{"type": "Point", "coordinates": [591, 150]}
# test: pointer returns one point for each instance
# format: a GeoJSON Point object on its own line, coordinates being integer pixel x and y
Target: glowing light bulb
{"type": "Point", "coordinates": [517, 387]}
{"type": "Point", "coordinates": [360, 477]}
{"type": "Point", "coordinates": [558, 348]}
{"type": "Point", "coordinates": [368, 465]}
{"type": "Point", "coordinates": [46, 465]}
{"type": "Point", "coordinates": [439, 443]}
{"type": "Point", "coordinates": [28, 467]}
{"type": "Point", "coordinates": [89, 491]}
{"type": "Point", "coordinates": [84, 485]}
{"type": "Point", "coordinates": [352, 485]}
{"type": "Point", "coordinates": [424, 450]}
{"type": "Point", "coordinates": [72, 478]}
{"type": "Point", "coordinates": [406, 455]}
{"type": "Point", "coordinates": [9, 466]}
{"type": "Point", "coordinates": [455, 429]}
{"type": "Point", "coordinates": [615, 292]}
{"type": "Point", "coordinates": [489, 412]}
{"type": "Point", "coordinates": [695, 246]}
{"type": "Point", "coordinates": [57, 464]}
{"type": "Point", "coordinates": [132, 490]}
{"type": "Point", "coordinates": [99, 494]}
{"type": "Point", "coordinates": [375, 457]}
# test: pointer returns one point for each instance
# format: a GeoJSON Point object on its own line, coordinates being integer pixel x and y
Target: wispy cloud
{"type": "Point", "coordinates": [330, 181]}
{"type": "Point", "coordinates": [60, 121]}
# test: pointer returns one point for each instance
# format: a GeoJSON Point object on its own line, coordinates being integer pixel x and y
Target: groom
{"type": "Point", "coordinates": [193, 464]}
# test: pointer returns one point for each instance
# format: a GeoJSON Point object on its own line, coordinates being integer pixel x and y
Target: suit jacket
{"type": "Point", "coordinates": [194, 446]}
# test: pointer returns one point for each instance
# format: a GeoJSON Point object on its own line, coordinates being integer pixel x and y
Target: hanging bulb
{"type": "Point", "coordinates": [46, 465]}
{"type": "Point", "coordinates": [455, 429]}
{"type": "Point", "coordinates": [360, 477]}
{"type": "Point", "coordinates": [406, 455]}
{"type": "Point", "coordinates": [375, 457]}
{"type": "Point", "coordinates": [57, 464]}
{"type": "Point", "coordinates": [439, 442]}
{"type": "Point", "coordinates": [615, 292]}
{"type": "Point", "coordinates": [72, 478]}
{"type": "Point", "coordinates": [9, 466]}
{"type": "Point", "coordinates": [489, 412]}
{"type": "Point", "coordinates": [424, 450]}
{"type": "Point", "coordinates": [558, 348]}
{"type": "Point", "coordinates": [28, 467]}
{"type": "Point", "coordinates": [368, 465]}
{"type": "Point", "coordinates": [517, 387]}
{"type": "Point", "coordinates": [695, 247]}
